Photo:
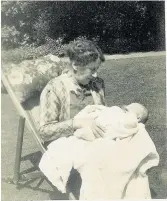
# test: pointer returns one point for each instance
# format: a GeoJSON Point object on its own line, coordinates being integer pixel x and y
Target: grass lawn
{"type": "Point", "coordinates": [143, 80]}
{"type": "Point", "coordinates": [127, 80]}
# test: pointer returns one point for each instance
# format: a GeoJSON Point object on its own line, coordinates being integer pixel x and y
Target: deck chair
{"type": "Point", "coordinates": [26, 118]}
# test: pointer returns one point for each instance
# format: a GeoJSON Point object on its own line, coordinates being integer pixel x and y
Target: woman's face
{"type": "Point", "coordinates": [85, 74]}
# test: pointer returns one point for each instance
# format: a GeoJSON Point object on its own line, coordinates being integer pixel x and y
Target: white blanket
{"type": "Point", "coordinates": [117, 124]}
{"type": "Point", "coordinates": [109, 169]}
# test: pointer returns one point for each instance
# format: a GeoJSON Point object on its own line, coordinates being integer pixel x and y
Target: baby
{"type": "Point", "coordinates": [118, 122]}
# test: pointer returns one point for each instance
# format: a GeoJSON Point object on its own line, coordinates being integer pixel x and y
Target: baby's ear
{"type": "Point", "coordinates": [139, 119]}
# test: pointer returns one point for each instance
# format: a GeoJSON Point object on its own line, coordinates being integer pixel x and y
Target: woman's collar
{"type": "Point", "coordinates": [71, 83]}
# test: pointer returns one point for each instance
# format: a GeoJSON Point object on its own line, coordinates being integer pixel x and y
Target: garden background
{"type": "Point", "coordinates": [31, 29]}
{"type": "Point", "coordinates": [36, 28]}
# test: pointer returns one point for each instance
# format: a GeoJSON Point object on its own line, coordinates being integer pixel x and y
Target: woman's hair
{"type": "Point", "coordinates": [83, 52]}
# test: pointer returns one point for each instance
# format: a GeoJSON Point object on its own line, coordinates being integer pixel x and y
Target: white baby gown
{"type": "Point", "coordinates": [109, 169]}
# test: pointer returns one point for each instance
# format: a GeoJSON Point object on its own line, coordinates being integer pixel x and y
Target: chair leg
{"type": "Point", "coordinates": [19, 146]}
{"type": "Point", "coordinates": [19, 150]}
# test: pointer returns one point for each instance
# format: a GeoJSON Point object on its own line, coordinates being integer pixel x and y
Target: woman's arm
{"type": "Point", "coordinates": [50, 105]}
{"type": "Point", "coordinates": [55, 130]}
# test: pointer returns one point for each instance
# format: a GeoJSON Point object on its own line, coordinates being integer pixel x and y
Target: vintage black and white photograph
{"type": "Point", "coordinates": [83, 100]}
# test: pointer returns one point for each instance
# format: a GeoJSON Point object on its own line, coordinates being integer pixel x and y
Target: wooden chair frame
{"type": "Point", "coordinates": [25, 119]}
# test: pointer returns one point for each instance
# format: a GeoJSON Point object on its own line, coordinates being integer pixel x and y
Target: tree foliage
{"type": "Point", "coordinates": [118, 26]}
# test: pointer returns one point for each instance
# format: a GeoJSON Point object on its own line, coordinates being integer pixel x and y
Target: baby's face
{"type": "Point", "coordinates": [136, 108]}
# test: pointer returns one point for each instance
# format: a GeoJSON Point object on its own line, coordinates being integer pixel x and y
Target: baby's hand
{"type": "Point", "coordinates": [85, 134]}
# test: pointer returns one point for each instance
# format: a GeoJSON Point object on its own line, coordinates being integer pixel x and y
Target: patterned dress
{"type": "Point", "coordinates": [61, 100]}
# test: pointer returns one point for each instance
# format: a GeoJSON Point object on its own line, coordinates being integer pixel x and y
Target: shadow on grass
{"type": "Point", "coordinates": [36, 183]}
{"type": "Point", "coordinates": [34, 158]}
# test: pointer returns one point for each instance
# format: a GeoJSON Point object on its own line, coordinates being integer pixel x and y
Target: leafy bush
{"type": "Point", "coordinates": [17, 55]}
{"type": "Point", "coordinates": [117, 26]}
{"type": "Point", "coordinates": [16, 20]}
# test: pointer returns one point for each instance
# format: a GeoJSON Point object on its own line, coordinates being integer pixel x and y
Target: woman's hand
{"type": "Point", "coordinates": [97, 130]}
{"type": "Point", "coordinates": [86, 119]}
{"type": "Point", "coordinates": [89, 122]}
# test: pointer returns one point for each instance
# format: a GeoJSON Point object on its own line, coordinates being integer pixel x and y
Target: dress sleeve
{"type": "Point", "coordinates": [50, 105]}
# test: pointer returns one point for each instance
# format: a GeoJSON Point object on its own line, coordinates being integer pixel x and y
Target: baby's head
{"type": "Point", "coordinates": [139, 110]}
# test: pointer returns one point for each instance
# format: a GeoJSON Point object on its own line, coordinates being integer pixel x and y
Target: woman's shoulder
{"type": "Point", "coordinates": [56, 84]}
{"type": "Point", "coordinates": [59, 79]}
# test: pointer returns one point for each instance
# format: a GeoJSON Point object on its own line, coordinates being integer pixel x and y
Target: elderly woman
{"type": "Point", "coordinates": [66, 95]}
